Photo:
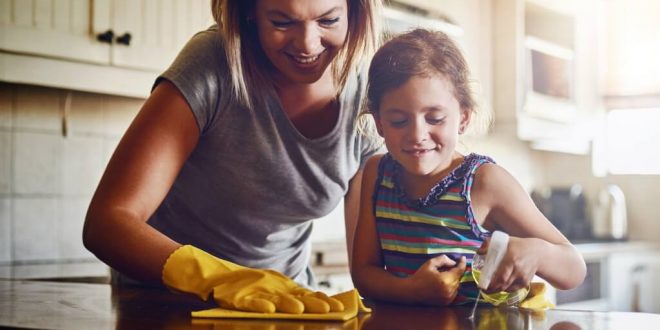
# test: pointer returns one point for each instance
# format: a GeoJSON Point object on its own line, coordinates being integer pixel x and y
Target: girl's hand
{"type": "Point", "coordinates": [518, 266]}
{"type": "Point", "coordinates": [436, 282]}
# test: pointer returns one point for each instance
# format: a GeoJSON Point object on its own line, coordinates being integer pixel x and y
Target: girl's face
{"type": "Point", "coordinates": [301, 37]}
{"type": "Point", "coordinates": [420, 122]}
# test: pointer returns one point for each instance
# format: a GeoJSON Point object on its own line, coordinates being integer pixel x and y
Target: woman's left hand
{"type": "Point", "coordinates": [518, 266]}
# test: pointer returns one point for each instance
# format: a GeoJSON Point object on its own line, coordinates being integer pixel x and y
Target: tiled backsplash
{"type": "Point", "coordinates": [46, 178]}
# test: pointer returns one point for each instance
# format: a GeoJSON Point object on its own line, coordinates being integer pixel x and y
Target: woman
{"type": "Point", "coordinates": [248, 135]}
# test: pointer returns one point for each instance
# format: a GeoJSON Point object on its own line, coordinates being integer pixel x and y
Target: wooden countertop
{"type": "Point", "coordinates": [59, 305]}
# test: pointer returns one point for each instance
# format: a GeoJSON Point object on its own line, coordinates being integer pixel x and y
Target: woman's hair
{"type": "Point", "coordinates": [248, 64]}
{"type": "Point", "coordinates": [420, 53]}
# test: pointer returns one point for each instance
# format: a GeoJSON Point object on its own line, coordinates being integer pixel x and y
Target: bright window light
{"type": "Point", "coordinates": [632, 141]}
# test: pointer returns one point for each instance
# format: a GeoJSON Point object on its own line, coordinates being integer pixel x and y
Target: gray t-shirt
{"type": "Point", "coordinates": [249, 189]}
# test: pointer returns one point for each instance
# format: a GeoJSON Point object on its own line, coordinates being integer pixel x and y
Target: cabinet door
{"type": "Point", "coordinates": [157, 28]}
{"type": "Point", "coordinates": [52, 28]}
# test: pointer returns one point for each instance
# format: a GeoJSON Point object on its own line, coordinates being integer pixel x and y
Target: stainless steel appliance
{"type": "Point", "coordinates": [566, 208]}
{"type": "Point", "coordinates": [609, 214]}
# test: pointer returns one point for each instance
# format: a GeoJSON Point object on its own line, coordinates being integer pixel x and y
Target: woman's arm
{"type": "Point", "coordinates": [351, 210]}
{"type": "Point", "coordinates": [536, 246]}
{"type": "Point", "coordinates": [428, 285]}
{"type": "Point", "coordinates": [136, 180]}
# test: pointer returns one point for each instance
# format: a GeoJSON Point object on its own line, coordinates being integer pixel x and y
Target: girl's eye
{"type": "Point", "coordinates": [398, 123]}
{"type": "Point", "coordinates": [329, 21]}
{"type": "Point", "coordinates": [435, 121]}
{"type": "Point", "coordinates": [282, 24]}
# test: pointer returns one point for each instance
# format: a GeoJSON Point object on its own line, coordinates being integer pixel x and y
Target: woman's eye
{"type": "Point", "coordinates": [282, 24]}
{"type": "Point", "coordinates": [329, 21]}
{"type": "Point", "coordinates": [398, 123]}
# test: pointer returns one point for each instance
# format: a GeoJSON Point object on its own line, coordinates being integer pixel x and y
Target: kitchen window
{"type": "Point", "coordinates": [629, 143]}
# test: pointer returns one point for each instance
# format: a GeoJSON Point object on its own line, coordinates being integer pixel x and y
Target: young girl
{"type": "Point", "coordinates": [426, 208]}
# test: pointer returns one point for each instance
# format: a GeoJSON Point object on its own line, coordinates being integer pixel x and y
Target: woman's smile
{"type": "Point", "coordinates": [306, 61]}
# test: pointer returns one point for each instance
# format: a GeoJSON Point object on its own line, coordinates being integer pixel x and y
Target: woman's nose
{"type": "Point", "coordinates": [308, 40]}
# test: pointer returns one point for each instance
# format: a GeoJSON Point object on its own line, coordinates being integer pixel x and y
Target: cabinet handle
{"type": "Point", "coordinates": [105, 37]}
{"type": "Point", "coordinates": [124, 39]}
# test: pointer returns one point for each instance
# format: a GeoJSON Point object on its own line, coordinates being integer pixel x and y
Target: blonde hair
{"type": "Point", "coordinates": [246, 59]}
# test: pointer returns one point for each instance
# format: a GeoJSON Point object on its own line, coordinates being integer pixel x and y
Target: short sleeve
{"type": "Point", "coordinates": [196, 72]}
{"type": "Point", "coordinates": [370, 144]}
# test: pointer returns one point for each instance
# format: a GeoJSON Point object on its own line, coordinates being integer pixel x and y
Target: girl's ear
{"type": "Point", "coordinates": [466, 115]}
{"type": "Point", "coordinates": [379, 126]}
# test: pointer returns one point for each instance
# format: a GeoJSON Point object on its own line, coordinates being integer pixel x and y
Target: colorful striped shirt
{"type": "Point", "coordinates": [411, 231]}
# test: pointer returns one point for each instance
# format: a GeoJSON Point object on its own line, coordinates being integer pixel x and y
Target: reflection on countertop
{"type": "Point", "coordinates": [57, 305]}
{"type": "Point", "coordinates": [93, 271]}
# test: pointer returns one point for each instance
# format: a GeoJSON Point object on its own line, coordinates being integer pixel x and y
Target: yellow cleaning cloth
{"type": "Point", "coordinates": [351, 300]}
{"type": "Point", "coordinates": [536, 299]}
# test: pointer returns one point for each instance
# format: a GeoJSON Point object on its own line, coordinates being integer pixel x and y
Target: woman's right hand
{"type": "Point", "coordinates": [436, 282]}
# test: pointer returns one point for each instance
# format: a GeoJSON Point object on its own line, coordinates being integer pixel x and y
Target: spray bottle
{"type": "Point", "coordinates": [485, 266]}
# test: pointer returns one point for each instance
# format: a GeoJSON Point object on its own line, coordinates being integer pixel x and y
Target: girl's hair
{"type": "Point", "coordinates": [248, 65]}
{"type": "Point", "coordinates": [420, 53]}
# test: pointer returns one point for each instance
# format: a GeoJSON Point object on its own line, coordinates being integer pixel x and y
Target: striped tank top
{"type": "Point", "coordinates": [411, 231]}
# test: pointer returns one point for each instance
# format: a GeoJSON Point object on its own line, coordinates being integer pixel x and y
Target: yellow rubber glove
{"type": "Point", "coordinates": [191, 270]}
{"type": "Point", "coordinates": [536, 299]}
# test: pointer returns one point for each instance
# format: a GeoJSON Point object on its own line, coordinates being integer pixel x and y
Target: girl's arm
{"type": "Point", "coordinates": [136, 180]}
{"type": "Point", "coordinates": [536, 246]}
{"type": "Point", "coordinates": [427, 286]}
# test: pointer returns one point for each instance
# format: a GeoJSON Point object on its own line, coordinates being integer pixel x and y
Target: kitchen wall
{"type": "Point", "coordinates": [46, 178]}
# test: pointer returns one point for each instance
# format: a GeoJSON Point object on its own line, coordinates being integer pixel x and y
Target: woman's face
{"type": "Point", "coordinates": [301, 37]}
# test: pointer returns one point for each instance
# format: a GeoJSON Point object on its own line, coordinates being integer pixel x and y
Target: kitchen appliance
{"type": "Point", "coordinates": [566, 208]}
{"type": "Point", "coordinates": [610, 219]}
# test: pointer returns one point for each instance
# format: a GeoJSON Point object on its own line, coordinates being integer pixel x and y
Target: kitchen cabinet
{"type": "Point", "coordinates": [546, 74]}
{"type": "Point", "coordinates": [117, 46]}
{"type": "Point", "coordinates": [633, 282]}
{"type": "Point", "coordinates": [621, 276]}
{"type": "Point", "coordinates": [59, 29]}
{"type": "Point", "coordinates": [149, 33]}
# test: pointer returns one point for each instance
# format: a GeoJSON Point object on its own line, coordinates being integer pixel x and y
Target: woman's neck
{"type": "Point", "coordinates": [312, 108]}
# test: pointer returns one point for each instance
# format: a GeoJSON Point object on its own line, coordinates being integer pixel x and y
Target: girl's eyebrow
{"type": "Point", "coordinates": [277, 12]}
{"type": "Point", "coordinates": [435, 108]}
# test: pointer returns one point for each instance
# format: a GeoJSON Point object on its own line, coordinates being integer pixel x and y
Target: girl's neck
{"type": "Point", "coordinates": [419, 186]}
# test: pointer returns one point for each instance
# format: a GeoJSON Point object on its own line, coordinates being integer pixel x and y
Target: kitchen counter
{"type": "Point", "coordinates": [58, 305]}
{"type": "Point", "coordinates": [594, 249]}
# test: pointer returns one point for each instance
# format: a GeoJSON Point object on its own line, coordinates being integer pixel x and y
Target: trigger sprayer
{"type": "Point", "coordinates": [496, 250]}
{"type": "Point", "coordinates": [485, 266]}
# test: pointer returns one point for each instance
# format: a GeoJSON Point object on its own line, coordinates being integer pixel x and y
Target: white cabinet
{"type": "Point", "coordinates": [59, 29]}
{"type": "Point", "coordinates": [149, 33]}
{"type": "Point", "coordinates": [107, 46]}
{"type": "Point", "coordinates": [546, 71]}
{"type": "Point", "coordinates": [634, 285]}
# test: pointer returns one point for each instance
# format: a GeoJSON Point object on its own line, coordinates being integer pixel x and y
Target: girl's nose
{"type": "Point", "coordinates": [308, 41]}
{"type": "Point", "coordinates": [418, 132]}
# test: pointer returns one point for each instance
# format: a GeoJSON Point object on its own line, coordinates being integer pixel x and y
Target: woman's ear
{"type": "Point", "coordinates": [466, 115]}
